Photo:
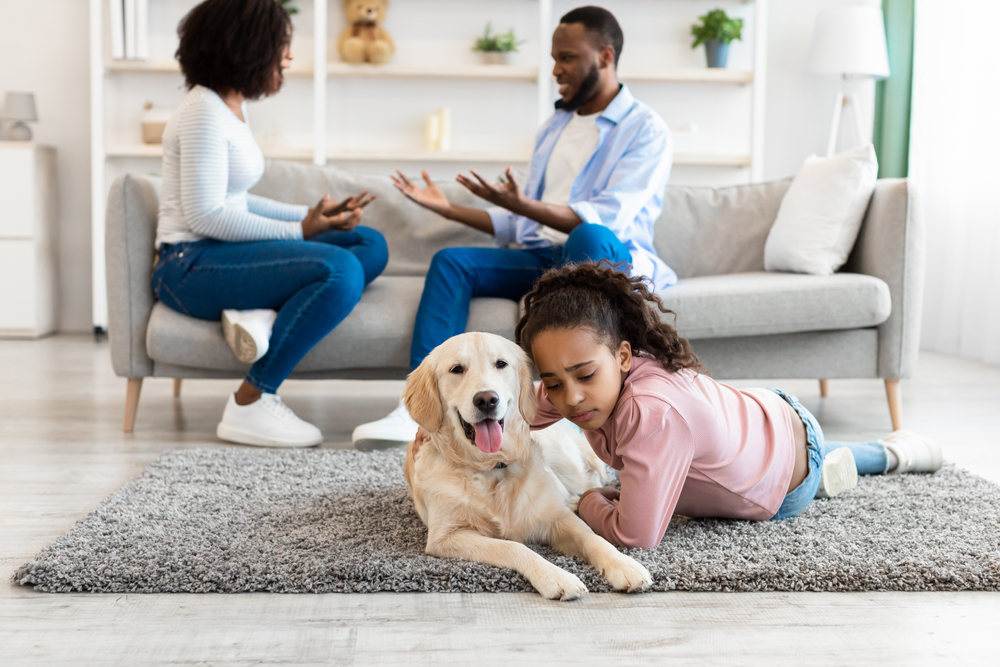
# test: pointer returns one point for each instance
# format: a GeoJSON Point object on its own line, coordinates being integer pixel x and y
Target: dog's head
{"type": "Point", "coordinates": [477, 384]}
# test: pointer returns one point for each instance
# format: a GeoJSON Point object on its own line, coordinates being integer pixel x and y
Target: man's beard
{"type": "Point", "coordinates": [587, 92]}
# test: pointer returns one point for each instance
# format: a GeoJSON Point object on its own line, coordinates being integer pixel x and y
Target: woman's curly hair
{"type": "Point", "coordinates": [234, 44]}
{"type": "Point", "coordinates": [611, 304]}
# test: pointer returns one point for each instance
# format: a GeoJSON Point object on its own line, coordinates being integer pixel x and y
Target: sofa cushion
{"type": "Point", "coordinates": [712, 231]}
{"type": "Point", "coordinates": [376, 334]}
{"type": "Point", "coordinates": [759, 303]}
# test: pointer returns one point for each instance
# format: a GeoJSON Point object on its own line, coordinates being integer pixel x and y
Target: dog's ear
{"type": "Point", "coordinates": [423, 399]}
{"type": "Point", "coordinates": [526, 402]}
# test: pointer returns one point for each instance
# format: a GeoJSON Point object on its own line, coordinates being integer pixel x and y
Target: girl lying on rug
{"type": "Point", "coordinates": [681, 441]}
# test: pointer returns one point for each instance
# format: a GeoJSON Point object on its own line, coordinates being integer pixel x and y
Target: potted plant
{"type": "Point", "coordinates": [287, 6]}
{"type": "Point", "coordinates": [716, 32]}
{"type": "Point", "coordinates": [496, 47]}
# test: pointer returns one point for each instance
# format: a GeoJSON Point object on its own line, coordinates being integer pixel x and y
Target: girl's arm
{"type": "Point", "coordinates": [276, 210]}
{"type": "Point", "coordinates": [656, 447]}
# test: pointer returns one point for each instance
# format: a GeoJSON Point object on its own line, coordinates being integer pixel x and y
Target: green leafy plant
{"type": "Point", "coordinates": [716, 25]}
{"type": "Point", "coordinates": [499, 43]}
{"type": "Point", "coordinates": [287, 6]}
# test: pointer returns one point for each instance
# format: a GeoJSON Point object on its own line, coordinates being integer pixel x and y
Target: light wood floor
{"type": "Point", "coordinates": [62, 451]}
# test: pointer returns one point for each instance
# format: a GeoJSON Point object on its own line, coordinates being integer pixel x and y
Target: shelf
{"type": "Point", "coordinates": [173, 67]}
{"type": "Point", "coordinates": [407, 71]}
{"type": "Point", "coordinates": [680, 159]}
{"type": "Point", "coordinates": [691, 75]}
{"type": "Point", "coordinates": [156, 151]}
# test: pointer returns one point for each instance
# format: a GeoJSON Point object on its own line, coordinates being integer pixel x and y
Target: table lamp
{"type": "Point", "coordinates": [850, 42]}
{"type": "Point", "coordinates": [20, 108]}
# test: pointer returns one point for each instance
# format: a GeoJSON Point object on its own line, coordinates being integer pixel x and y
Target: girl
{"type": "Point", "coordinates": [681, 441]}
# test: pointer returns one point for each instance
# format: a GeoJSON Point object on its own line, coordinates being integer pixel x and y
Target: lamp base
{"type": "Point", "coordinates": [19, 131]}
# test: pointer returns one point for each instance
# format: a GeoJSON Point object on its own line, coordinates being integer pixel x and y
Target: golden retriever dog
{"type": "Point", "coordinates": [484, 484]}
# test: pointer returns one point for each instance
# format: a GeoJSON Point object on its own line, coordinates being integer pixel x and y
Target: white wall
{"type": "Point", "coordinates": [43, 48]}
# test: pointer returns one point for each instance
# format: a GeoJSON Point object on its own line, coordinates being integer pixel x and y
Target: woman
{"type": "Point", "coordinates": [222, 248]}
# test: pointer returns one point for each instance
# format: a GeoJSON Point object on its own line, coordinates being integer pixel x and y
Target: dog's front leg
{"type": "Point", "coordinates": [552, 582]}
{"type": "Point", "coordinates": [573, 536]}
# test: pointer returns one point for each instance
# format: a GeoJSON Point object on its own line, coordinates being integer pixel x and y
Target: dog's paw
{"type": "Point", "coordinates": [627, 574]}
{"type": "Point", "coordinates": [559, 585]}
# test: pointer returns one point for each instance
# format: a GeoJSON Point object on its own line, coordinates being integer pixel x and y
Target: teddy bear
{"type": "Point", "coordinates": [364, 39]}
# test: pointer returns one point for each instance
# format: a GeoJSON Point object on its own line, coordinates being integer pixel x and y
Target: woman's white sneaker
{"type": "Point", "coordinates": [915, 453]}
{"type": "Point", "coordinates": [398, 428]}
{"type": "Point", "coordinates": [248, 332]}
{"type": "Point", "coordinates": [267, 422]}
{"type": "Point", "coordinates": [840, 473]}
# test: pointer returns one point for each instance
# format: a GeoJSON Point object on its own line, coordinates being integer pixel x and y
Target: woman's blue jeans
{"type": "Point", "coordinates": [312, 284]}
{"type": "Point", "coordinates": [459, 274]}
{"type": "Point", "coordinates": [870, 458]}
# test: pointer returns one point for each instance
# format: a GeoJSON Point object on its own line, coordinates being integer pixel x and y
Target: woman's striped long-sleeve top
{"type": "Point", "coordinates": [210, 161]}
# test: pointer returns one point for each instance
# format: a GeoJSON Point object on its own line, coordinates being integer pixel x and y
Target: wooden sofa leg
{"type": "Point", "coordinates": [824, 388]}
{"type": "Point", "coordinates": [177, 387]}
{"type": "Point", "coordinates": [892, 392]}
{"type": "Point", "coordinates": [132, 403]}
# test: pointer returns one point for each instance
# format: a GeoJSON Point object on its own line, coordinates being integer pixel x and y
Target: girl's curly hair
{"type": "Point", "coordinates": [610, 303]}
{"type": "Point", "coordinates": [233, 44]}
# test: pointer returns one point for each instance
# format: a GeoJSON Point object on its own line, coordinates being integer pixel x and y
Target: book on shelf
{"type": "Point", "coordinates": [142, 29]}
{"type": "Point", "coordinates": [129, 14]}
{"type": "Point", "coordinates": [117, 31]}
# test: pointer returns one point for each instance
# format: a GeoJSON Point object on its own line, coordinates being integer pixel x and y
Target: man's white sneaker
{"type": "Point", "coordinates": [267, 422]}
{"type": "Point", "coordinates": [398, 428]}
{"type": "Point", "coordinates": [915, 453]}
{"type": "Point", "coordinates": [248, 332]}
{"type": "Point", "coordinates": [840, 473]}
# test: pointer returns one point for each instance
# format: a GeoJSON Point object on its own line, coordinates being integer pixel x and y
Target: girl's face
{"type": "Point", "coordinates": [279, 73]}
{"type": "Point", "coordinates": [582, 375]}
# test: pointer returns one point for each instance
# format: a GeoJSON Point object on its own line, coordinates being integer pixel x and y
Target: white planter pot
{"type": "Point", "coordinates": [494, 58]}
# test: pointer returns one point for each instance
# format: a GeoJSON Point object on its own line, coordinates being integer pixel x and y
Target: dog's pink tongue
{"type": "Point", "coordinates": [489, 436]}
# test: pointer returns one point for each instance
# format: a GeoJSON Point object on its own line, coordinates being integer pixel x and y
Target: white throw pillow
{"type": "Point", "coordinates": [820, 216]}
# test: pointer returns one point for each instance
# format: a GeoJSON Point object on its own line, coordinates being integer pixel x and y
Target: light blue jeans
{"type": "Point", "coordinates": [871, 458]}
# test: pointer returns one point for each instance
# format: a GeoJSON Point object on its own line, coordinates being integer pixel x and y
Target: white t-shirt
{"type": "Point", "coordinates": [572, 150]}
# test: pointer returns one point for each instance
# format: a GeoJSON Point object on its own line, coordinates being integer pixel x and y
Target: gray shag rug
{"type": "Point", "coordinates": [240, 520]}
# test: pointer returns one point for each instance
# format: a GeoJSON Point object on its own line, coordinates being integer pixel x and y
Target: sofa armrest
{"type": "Point", "coordinates": [891, 246]}
{"type": "Point", "coordinates": [133, 206]}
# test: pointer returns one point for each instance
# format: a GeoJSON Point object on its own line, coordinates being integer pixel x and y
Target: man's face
{"type": "Point", "coordinates": [577, 65]}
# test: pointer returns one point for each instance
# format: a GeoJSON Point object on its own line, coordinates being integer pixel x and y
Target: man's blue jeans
{"type": "Point", "coordinates": [312, 284]}
{"type": "Point", "coordinates": [459, 274]}
{"type": "Point", "coordinates": [870, 458]}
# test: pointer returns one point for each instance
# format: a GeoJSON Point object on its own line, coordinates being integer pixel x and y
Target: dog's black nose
{"type": "Point", "coordinates": [486, 400]}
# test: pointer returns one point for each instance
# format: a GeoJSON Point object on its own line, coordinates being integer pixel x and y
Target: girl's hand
{"type": "Point", "coordinates": [430, 197]}
{"type": "Point", "coordinates": [351, 203]}
{"type": "Point", "coordinates": [316, 222]}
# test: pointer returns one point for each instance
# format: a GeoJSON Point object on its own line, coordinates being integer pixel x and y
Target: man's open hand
{"type": "Point", "coordinates": [507, 195]}
{"type": "Point", "coordinates": [430, 197]}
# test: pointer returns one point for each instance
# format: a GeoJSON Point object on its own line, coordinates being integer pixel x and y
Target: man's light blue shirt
{"type": "Point", "coordinates": [620, 187]}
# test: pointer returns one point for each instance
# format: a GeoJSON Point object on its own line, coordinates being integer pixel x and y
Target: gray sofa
{"type": "Point", "coordinates": [743, 322]}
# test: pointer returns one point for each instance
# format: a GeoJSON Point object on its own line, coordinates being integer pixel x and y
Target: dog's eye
{"type": "Point", "coordinates": [457, 370]}
{"type": "Point", "coordinates": [501, 363]}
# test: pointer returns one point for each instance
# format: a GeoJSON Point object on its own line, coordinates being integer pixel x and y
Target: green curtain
{"type": "Point", "coordinates": [893, 96]}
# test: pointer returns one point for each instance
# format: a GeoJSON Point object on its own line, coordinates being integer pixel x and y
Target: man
{"type": "Point", "coordinates": [594, 189]}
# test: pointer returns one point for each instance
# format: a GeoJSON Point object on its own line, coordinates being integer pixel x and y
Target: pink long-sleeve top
{"type": "Point", "coordinates": [685, 443]}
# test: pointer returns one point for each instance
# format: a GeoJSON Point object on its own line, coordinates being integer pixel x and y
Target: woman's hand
{"type": "Point", "coordinates": [507, 195]}
{"type": "Point", "coordinates": [430, 197]}
{"type": "Point", "coordinates": [350, 204]}
{"type": "Point", "coordinates": [317, 222]}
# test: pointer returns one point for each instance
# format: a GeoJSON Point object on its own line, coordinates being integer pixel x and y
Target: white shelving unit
{"type": "Point", "coordinates": [112, 155]}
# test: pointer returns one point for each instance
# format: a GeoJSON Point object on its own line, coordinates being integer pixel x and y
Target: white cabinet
{"type": "Point", "coordinates": [27, 240]}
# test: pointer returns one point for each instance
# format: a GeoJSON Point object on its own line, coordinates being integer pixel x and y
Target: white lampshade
{"type": "Point", "coordinates": [20, 106]}
{"type": "Point", "coordinates": [850, 41]}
